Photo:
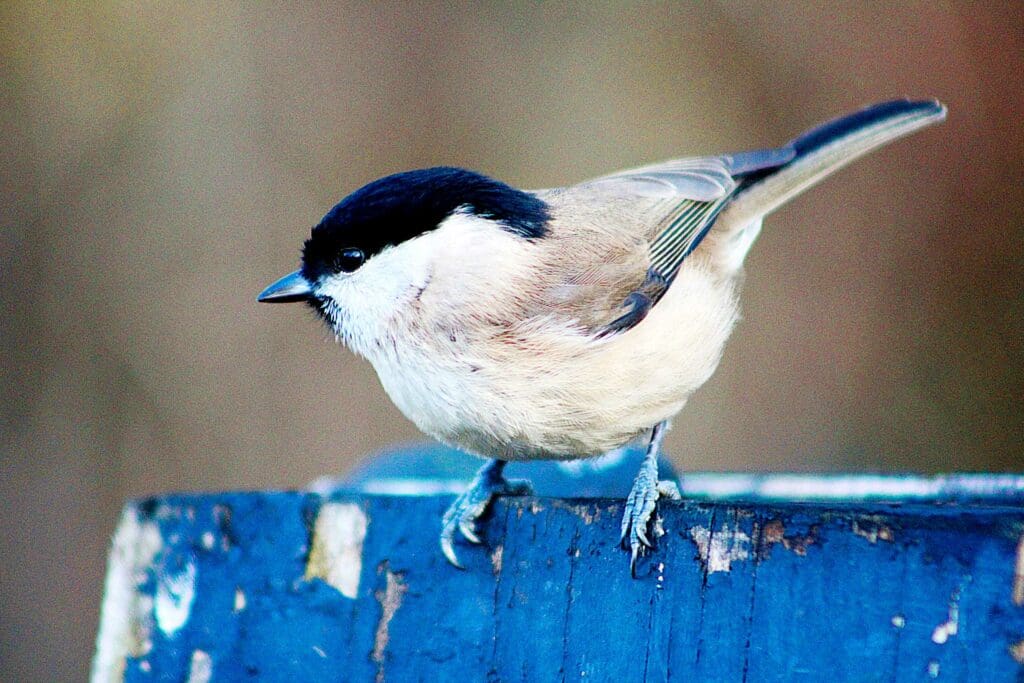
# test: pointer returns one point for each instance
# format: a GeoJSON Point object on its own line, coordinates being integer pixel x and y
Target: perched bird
{"type": "Point", "coordinates": [558, 323]}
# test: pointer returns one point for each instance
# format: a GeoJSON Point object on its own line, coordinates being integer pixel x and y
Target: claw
{"type": "Point", "coordinates": [641, 504]}
{"type": "Point", "coordinates": [466, 527]}
{"type": "Point", "coordinates": [641, 535]}
{"type": "Point", "coordinates": [473, 503]}
{"type": "Point", "coordinates": [449, 550]}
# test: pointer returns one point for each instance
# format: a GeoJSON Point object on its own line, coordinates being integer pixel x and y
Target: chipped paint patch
{"type": "Point", "coordinates": [390, 600]}
{"type": "Point", "coordinates": [587, 514]}
{"type": "Point", "coordinates": [239, 600]}
{"type": "Point", "coordinates": [898, 620]}
{"type": "Point", "coordinates": [175, 594]}
{"type": "Point", "coordinates": [947, 629]}
{"type": "Point", "coordinates": [336, 555]}
{"type": "Point", "coordinates": [200, 669]}
{"type": "Point", "coordinates": [933, 668]}
{"type": "Point", "coordinates": [774, 532]}
{"type": "Point", "coordinates": [126, 613]}
{"type": "Point", "coordinates": [1017, 651]}
{"type": "Point", "coordinates": [799, 543]}
{"type": "Point", "coordinates": [497, 556]}
{"type": "Point", "coordinates": [719, 549]}
{"type": "Point", "coordinates": [873, 530]}
{"type": "Point", "coordinates": [1018, 575]}
{"type": "Point", "coordinates": [534, 508]}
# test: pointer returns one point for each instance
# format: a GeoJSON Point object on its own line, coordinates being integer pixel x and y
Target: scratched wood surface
{"type": "Point", "coordinates": [352, 587]}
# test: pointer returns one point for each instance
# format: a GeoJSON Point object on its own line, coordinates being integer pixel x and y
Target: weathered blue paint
{"type": "Point", "coordinates": [759, 591]}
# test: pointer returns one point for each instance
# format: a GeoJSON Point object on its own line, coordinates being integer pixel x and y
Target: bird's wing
{"type": "Point", "coordinates": [699, 179]}
{"type": "Point", "coordinates": [617, 242]}
{"type": "Point", "coordinates": [688, 195]}
{"type": "Point", "coordinates": [677, 202]}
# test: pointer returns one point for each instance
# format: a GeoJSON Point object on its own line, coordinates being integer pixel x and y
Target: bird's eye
{"type": "Point", "coordinates": [350, 259]}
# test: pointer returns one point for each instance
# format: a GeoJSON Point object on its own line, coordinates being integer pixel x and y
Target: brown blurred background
{"type": "Point", "coordinates": [161, 165]}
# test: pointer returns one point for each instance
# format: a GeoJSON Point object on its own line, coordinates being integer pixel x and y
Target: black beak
{"type": "Point", "coordinates": [290, 288]}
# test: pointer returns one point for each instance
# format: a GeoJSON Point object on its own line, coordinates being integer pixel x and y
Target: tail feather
{"type": "Point", "coordinates": [822, 151]}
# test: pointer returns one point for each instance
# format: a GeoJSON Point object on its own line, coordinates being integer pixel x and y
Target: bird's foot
{"type": "Point", "coordinates": [640, 516]}
{"type": "Point", "coordinates": [642, 502]}
{"type": "Point", "coordinates": [463, 514]}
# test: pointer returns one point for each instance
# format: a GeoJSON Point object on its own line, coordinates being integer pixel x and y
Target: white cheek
{"type": "Point", "coordinates": [368, 299]}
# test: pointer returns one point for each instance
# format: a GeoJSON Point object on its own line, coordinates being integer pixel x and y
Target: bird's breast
{"type": "Point", "coordinates": [544, 389]}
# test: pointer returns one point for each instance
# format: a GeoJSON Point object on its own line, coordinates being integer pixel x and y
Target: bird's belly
{"type": "Point", "coordinates": [566, 395]}
{"type": "Point", "coordinates": [494, 414]}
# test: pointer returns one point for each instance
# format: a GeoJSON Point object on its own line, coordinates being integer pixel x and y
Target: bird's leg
{"type": "Point", "coordinates": [473, 502]}
{"type": "Point", "coordinates": [642, 500]}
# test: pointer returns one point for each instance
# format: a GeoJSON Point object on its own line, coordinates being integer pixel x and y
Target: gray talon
{"type": "Point", "coordinates": [642, 503]}
{"type": "Point", "coordinates": [448, 550]}
{"type": "Point", "coordinates": [463, 514]}
{"type": "Point", "coordinates": [466, 527]}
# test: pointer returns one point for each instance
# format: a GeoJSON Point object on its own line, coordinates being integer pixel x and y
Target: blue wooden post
{"type": "Point", "coordinates": [887, 579]}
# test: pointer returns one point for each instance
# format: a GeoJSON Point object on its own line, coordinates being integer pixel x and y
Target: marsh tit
{"type": "Point", "coordinates": [558, 323]}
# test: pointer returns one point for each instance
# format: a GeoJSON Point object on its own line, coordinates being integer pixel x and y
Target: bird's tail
{"type": "Point", "coordinates": [818, 153]}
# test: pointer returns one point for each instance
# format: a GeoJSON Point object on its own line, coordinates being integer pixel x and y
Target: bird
{"type": "Point", "coordinates": [560, 323]}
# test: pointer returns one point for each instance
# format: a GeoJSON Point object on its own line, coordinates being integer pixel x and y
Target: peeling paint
{"type": "Point", "coordinates": [898, 620]}
{"type": "Point", "coordinates": [126, 613]}
{"type": "Point", "coordinates": [175, 594]}
{"type": "Point", "coordinates": [239, 600]}
{"type": "Point", "coordinates": [658, 526]}
{"type": "Point", "coordinates": [390, 600]}
{"type": "Point", "coordinates": [798, 543]}
{"type": "Point", "coordinates": [719, 549]}
{"type": "Point", "coordinates": [1018, 575]}
{"type": "Point", "coordinates": [588, 515]}
{"type": "Point", "coordinates": [534, 508]}
{"type": "Point", "coordinates": [774, 532]}
{"type": "Point", "coordinates": [336, 555]}
{"type": "Point", "coordinates": [933, 668]}
{"type": "Point", "coordinates": [200, 668]}
{"type": "Point", "coordinates": [497, 556]}
{"type": "Point", "coordinates": [873, 530]}
{"type": "Point", "coordinates": [1017, 651]}
{"type": "Point", "coordinates": [947, 629]}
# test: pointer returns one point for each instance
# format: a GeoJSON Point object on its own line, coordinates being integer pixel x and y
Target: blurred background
{"type": "Point", "coordinates": [163, 163]}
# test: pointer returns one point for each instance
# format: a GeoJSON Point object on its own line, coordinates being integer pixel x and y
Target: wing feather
{"type": "Point", "coordinates": [700, 178]}
{"type": "Point", "coordinates": [655, 216]}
